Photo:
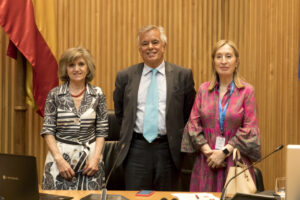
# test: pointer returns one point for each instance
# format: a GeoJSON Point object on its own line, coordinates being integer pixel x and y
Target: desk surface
{"type": "Point", "coordinates": [78, 194]}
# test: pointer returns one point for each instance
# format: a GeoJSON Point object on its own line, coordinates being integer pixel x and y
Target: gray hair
{"type": "Point", "coordinates": [147, 28]}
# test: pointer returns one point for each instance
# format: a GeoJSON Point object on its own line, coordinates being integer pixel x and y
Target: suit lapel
{"type": "Point", "coordinates": [136, 78]}
{"type": "Point", "coordinates": [170, 83]}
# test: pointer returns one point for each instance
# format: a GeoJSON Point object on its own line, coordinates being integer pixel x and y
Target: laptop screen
{"type": "Point", "coordinates": [293, 172]}
{"type": "Point", "coordinates": [18, 177]}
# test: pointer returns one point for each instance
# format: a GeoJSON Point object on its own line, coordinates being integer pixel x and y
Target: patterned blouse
{"type": "Point", "coordinates": [64, 121]}
{"type": "Point", "coordinates": [240, 130]}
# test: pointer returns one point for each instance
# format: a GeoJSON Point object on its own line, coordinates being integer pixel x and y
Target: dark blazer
{"type": "Point", "coordinates": [180, 99]}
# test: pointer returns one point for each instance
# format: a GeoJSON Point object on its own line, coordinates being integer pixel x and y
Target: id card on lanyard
{"type": "Point", "coordinates": [220, 140]}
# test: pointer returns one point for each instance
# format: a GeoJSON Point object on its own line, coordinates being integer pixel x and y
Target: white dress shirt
{"type": "Point", "coordinates": [162, 96]}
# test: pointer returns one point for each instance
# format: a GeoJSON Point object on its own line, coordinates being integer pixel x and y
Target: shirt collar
{"type": "Point", "coordinates": [64, 89]}
{"type": "Point", "coordinates": [160, 68]}
{"type": "Point", "coordinates": [217, 85]}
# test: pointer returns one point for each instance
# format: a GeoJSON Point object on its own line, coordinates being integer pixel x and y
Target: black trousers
{"type": "Point", "coordinates": [149, 166]}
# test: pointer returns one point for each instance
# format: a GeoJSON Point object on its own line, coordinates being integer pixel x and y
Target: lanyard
{"type": "Point", "coordinates": [222, 112]}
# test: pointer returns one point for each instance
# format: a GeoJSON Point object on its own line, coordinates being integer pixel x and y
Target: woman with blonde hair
{"type": "Point", "coordinates": [223, 117]}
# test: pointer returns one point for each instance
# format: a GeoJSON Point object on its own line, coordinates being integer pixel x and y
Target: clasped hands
{"type": "Point", "coordinates": [214, 158]}
{"type": "Point", "coordinates": [66, 171]}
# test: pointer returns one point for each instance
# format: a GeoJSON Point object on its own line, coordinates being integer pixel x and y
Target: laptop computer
{"type": "Point", "coordinates": [293, 172]}
{"type": "Point", "coordinates": [19, 180]}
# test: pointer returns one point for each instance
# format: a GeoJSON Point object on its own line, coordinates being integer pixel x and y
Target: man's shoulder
{"type": "Point", "coordinates": [131, 68]}
{"type": "Point", "coordinates": [178, 67]}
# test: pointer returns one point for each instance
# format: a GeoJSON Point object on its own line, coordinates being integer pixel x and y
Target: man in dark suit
{"type": "Point", "coordinates": [151, 159]}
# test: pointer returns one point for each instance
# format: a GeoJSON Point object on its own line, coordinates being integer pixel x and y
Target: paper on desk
{"type": "Point", "coordinates": [195, 196]}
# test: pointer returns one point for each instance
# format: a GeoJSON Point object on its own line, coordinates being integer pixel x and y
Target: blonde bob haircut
{"type": "Point", "coordinates": [69, 56]}
{"type": "Point", "coordinates": [215, 77]}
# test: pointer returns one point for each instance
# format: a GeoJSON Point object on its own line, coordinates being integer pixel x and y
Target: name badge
{"type": "Point", "coordinates": [220, 143]}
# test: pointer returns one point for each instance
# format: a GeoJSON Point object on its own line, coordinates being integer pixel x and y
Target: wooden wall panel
{"type": "Point", "coordinates": [266, 32]}
{"type": "Point", "coordinates": [6, 109]}
{"type": "Point", "coordinates": [117, 23]}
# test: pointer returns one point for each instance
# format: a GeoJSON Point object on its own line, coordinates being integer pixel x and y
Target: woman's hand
{"type": "Point", "coordinates": [206, 150]}
{"type": "Point", "coordinates": [216, 159]}
{"type": "Point", "coordinates": [63, 166]}
{"type": "Point", "coordinates": [91, 167]}
{"type": "Point", "coordinates": [65, 169]}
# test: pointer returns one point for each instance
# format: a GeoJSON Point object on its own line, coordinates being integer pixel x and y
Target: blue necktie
{"type": "Point", "coordinates": [151, 110]}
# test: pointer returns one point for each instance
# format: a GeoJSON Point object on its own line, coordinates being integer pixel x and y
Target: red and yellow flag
{"type": "Point", "coordinates": [18, 21]}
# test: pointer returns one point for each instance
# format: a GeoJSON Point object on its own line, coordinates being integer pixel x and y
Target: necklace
{"type": "Point", "coordinates": [78, 95]}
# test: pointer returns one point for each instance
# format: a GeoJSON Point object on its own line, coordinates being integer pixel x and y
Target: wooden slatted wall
{"type": "Point", "coordinates": [266, 32]}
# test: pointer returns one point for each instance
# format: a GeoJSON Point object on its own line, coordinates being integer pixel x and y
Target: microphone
{"type": "Point", "coordinates": [254, 163]}
{"type": "Point", "coordinates": [104, 190]}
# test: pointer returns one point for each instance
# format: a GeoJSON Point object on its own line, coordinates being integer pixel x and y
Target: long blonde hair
{"type": "Point", "coordinates": [215, 77]}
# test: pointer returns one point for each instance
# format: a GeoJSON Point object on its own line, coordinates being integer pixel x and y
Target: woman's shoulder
{"type": "Point", "coordinates": [94, 89]}
{"type": "Point", "coordinates": [247, 87]}
{"type": "Point", "coordinates": [204, 86]}
{"type": "Point", "coordinates": [58, 89]}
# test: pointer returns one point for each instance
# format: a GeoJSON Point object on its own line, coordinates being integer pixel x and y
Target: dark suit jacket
{"type": "Point", "coordinates": [180, 99]}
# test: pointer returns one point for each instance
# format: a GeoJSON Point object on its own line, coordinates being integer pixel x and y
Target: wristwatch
{"type": "Point", "coordinates": [225, 151]}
